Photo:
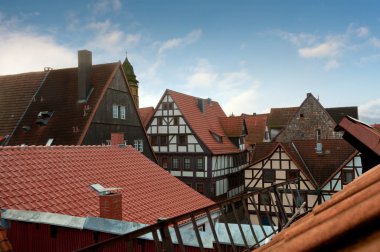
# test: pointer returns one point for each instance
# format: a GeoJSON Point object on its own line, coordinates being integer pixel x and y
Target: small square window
{"type": "Point", "coordinates": [182, 140]}
{"type": "Point", "coordinates": [347, 176]}
{"type": "Point", "coordinates": [175, 163]}
{"type": "Point", "coordinates": [200, 165]}
{"type": "Point", "coordinates": [153, 140]}
{"type": "Point", "coordinates": [264, 198]}
{"type": "Point", "coordinates": [163, 140]}
{"type": "Point", "coordinates": [175, 120]}
{"type": "Point", "coordinates": [268, 176]}
{"type": "Point", "coordinates": [187, 163]}
{"type": "Point", "coordinates": [292, 174]}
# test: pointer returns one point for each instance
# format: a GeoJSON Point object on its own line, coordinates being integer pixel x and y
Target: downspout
{"type": "Point", "coordinates": [23, 114]}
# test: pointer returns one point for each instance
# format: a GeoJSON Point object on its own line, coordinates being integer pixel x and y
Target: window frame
{"type": "Point", "coordinates": [165, 160]}
{"type": "Point", "coordinates": [265, 174]}
{"type": "Point", "coordinates": [122, 112]}
{"type": "Point", "coordinates": [289, 177]}
{"type": "Point", "coordinates": [115, 111]}
{"type": "Point", "coordinates": [182, 143]}
{"type": "Point", "coordinates": [187, 166]}
{"type": "Point", "coordinates": [176, 163]}
{"type": "Point", "coordinates": [161, 143]}
{"type": "Point", "coordinates": [202, 167]}
{"type": "Point", "coordinates": [343, 177]}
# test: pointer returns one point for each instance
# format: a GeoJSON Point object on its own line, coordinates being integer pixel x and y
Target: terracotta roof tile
{"type": "Point", "coordinates": [348, 221]}
{"type": "Point", "coordinates": [256, 126]}
{"type": "Point", "coordinates": [146, 114]}
{"type": "Point", "coordinates": [57, 179]}
{"type": "Point", "coordinates": [59, 94]}
{"type": "Point", "coordinates": [16, 92]}
{"type": "Point", "coordinates": [232, 126]}
{"type": "Point", "coordinates": [204, 122]}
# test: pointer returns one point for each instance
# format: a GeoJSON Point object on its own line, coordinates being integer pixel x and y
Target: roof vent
{"type": "Point", "coordinates": [319, 148]}
{"type": "Point", "coordinates": [209, 101]}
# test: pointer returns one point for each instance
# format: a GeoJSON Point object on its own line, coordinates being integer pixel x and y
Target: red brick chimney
{"type": "Point", "coordinates": [110, 206]}
{"type": "Point", "coordinates": [117, 138]}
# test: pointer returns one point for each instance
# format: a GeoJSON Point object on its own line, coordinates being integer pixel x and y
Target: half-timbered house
{"type": "Point", "coordinates": [72, 106]}
{"type": "Point", "coordinates": [318, 173]}
{"type": "Point", "coordinates": [188, 136]}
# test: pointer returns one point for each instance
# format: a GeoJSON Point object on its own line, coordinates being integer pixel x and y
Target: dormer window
{"type": "Point", "coordinates": [217, 138]}
{"type": "Point", "coordinates": [43, 117]}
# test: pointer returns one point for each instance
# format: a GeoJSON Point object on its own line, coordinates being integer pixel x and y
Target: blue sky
{"type": "Point", "coordinates": [248, 55]}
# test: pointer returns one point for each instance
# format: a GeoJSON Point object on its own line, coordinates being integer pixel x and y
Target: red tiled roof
{"type": "Point", "coordinates": [339, 113]}
{"type": "Point", "coordinates": [279, 117]}
{"type": "Point", "coordinates": [376, 127]}
{"type": "Point", "coordinates": [347, 222]}
{"type": "Point", "coordinates": [317, 167]}
{"type": "Point", "coordinates": [146, 114]}
{"type": "Point", "coordinates": [203, 123]}
{"type": "Point", "coordinates": [362, 132]}
{"type": "Point", "coordinates": [16, 92]}
{"type": "Point", "coordinates": [256, 125]}
{"type": "Point", "coordinates": [57, 179]}
{"type": "Point", "coordinates": [336, 152]}
{"type": "Point", "coordinates": [232, 126]}
{"type": "Point", "coordinates": [59, 94]}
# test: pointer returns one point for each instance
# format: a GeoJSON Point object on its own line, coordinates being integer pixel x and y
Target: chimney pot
{"type": "Point", "coordinates": [84, 74]}
{"type": "Point", "coordinates": [201, 104]}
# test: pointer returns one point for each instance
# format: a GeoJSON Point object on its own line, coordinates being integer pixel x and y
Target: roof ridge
{"type": "Point", "coordinates": [17, 147]}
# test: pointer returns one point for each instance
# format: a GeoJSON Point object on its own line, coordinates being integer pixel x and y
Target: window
{"type": "Point", "coordinates": [115, 111]}
{"type": "Point", "coordinates": [49, 141]}
{"type": "Point", "coordinates": [319, 133]}
{"type": "Point", "coordinates": [122, 112]}
{"type": "Point", "coordinates": [182, 140]}
{"type": "Point", "coordinates": [138, 144]}
{"type": "Point", "coordinates": [175, 163]}
{"type": "Point", "coordinates": [159, 121]}
{"type": "Point", "coordinates": [300, 199]}
{"type": "Point", "coordinates": [175, 120]}
{"type": "Point", "coordinates": [347, 176]}
{"type": "Point", "coordinates": [187, 163]}
{"type": "Point", "coordinates": [163, 140]}
{"type": "Point", "coordinates": [200, 165]}
{"type": "Point", "coordinates": [167, 105]}
{"type": "Point", "coordinates": [217, 138]}
{"type": "Point", "coordinates": [164, 162]}
{"type": "Point", "coordinates": [264, 220]}
{"type": "Point", "coordinates": [268, 176]}
{"type": "Point", "coordinates": [264, 198]}
{"type": "Point", "coordinates": [292, 174]}
{"type": "Point", "coordinates": [153, 140]}
{"type": "Point", "coordinates": [199, 188]}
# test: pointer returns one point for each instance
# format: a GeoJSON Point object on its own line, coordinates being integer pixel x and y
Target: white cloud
{"type": "Point", "coordinates": [202, 75]}
{"type": "Point", "coordinates": [359, 31]}
{"type": "Point", "coordinates": [103, 6]}
{"type": "Point", "coordinates": [375, 42]}
{"type": "Point", "coordinates": [24, 50]}
{"type": "Point", "coordinates": [369, 112]}
{"type": "Point", "coordinates": [328, 49]}
{"type": "Point", "coordinates": [331, 64]}
{"type": "Point", "coordinates": [177, 42]}
{"type": "Point", "coordinates": [297, 39]}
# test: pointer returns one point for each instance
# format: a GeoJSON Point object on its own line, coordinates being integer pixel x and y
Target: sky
{"type": "Point", "coordinates": [248, 55]}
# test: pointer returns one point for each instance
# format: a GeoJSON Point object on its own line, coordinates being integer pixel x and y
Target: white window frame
{"type": "Point", "coordinates": [139, 145]}
{"type": "Point", "coordinates": [115, 111]}
{"type": "Point", "coordinates": [122, 112]}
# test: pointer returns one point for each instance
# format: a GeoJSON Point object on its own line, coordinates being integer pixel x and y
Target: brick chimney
{"type": "Point", "coordinates": [110, 206]}
{"type": "Point", "coordinates": [117, 138]}
{"type": "Point", "coordinates": [84, 74]}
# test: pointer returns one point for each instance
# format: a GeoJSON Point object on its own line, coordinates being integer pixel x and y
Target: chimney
{"type": "Point", "coordinates": [117, 138]}
{"type": "Point", "coordinates": [201, 105]}
{"type": "Point", "coordinates": [110, 206]}
{"type": "Point", "coordinates": [308, 94]}
{"type": "Point", "coordinates": [84, 74]}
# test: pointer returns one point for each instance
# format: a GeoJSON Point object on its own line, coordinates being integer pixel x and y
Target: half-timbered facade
{"type": "Point", "coordinates": [317, 175]}
{"type": "Point", "coordinates": [189, 141]}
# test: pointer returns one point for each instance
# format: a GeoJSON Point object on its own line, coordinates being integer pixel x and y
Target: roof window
{"type": "Point", "coordinates": [43, 117]}
{"type": "Point", "coordinates": [217, 138]}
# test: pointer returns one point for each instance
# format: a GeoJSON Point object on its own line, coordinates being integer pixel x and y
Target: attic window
{"type": "Point", "coordinates": [49, 142]}
{"type": "Point", "coordinates": [167, 105]}
{"type": "Point", "coordinates": [43, 117]}
{"type": "Point", "coordinates": [217, 138]}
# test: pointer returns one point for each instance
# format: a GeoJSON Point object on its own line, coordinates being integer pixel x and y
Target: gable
{"type": "Point", "coordinates": [310, 118]}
